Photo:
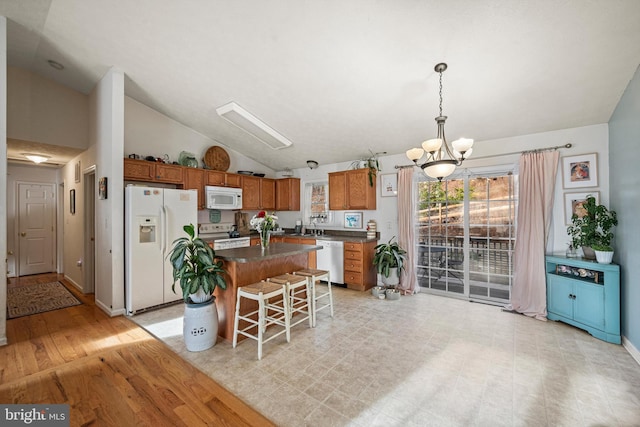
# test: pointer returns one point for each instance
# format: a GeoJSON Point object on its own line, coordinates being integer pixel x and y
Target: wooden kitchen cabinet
{"type": "Point", "coordinates": [258, 193]}
{"type": "Point", "coordinates": [139, 170]}
{"type": "Point", "coordinates": [169, 173]}
{"type": "Point", "coordinates": [288, 194]}
{"type": "Point", "coordinates": [351, 190]}
{"type": "Point", "coordinates": [194, 180]}
{"type": "Point", "coordinates": [313, 257]}
{"type": "Point", "coordinates": [223, 179]}
{"type": "Point", "coordinates": [142, 170]}
{"type": "Point", "coordinates": [359, 272]}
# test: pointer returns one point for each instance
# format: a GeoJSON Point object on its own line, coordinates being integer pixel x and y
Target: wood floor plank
{"type": "Point", "coordinates": [111, 372]}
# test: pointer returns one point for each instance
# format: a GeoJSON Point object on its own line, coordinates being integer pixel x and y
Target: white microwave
{"type": "Point", "coordinates": [223, 197]}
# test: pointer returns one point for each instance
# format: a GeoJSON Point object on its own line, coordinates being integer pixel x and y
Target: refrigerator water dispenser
{"type": "Point", "coordinates": [147, 230]}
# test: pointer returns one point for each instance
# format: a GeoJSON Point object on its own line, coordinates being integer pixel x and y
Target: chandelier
{"type": "Point", "coordinates": [441, 160]}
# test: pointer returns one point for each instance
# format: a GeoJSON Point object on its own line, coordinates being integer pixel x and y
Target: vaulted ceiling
{"type": "Point", "coordinates": [343, 78]}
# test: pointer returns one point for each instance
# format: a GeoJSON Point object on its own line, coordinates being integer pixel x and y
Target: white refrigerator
{"type": "Point", "coordinates": [154, 218]}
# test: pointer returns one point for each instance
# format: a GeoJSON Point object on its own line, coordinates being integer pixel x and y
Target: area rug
{"type": "Point", "coordinates": [38, 298]}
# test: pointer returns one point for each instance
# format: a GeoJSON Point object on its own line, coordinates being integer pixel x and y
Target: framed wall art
{"type": "Point", "coordinates": [353, 220]}
{"type": "Point", "coordinates": [72, 202]}
{"type": "Point", "coordinates": [580, 171]}
{"type": "Point", "coordinates": [389, 184]}
{"type": "Point", "coordinates": [573, 204]}
{"type": "Point", "coordinates": [102, 188]}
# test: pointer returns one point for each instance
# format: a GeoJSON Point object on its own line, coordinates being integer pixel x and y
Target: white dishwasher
{"type": "Point", "coordinates": [331, 257]}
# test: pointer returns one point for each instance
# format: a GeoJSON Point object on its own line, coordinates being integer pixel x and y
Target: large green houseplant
{"type": "Point", "coordinates": [593, 229]}
{"type": "Point", "coordinates": [389, 259]}
{"type": "Point", "coordinates": [195, 268]}
{"type": "Point", "coordinates": [199, 274]}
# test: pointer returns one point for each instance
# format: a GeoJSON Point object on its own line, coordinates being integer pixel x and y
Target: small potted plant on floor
{"type": "Point", "coordinates": [198, 273]}
{"type": "Point", "coordinates": [593, 229]}
{"type": "Point", "coordinates": [389, 259]}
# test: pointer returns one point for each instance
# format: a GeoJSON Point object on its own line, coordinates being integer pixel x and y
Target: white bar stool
{"type": "Point", "coordinates": [268, 313]}
{"type": "Point", "coordinates": [298, 303]}
{"type": "Point", "coordinates": [313, 276]}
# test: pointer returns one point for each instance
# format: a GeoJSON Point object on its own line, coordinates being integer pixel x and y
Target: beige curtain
{"type": "Point", "coordinates": [537, 178]}
{"type": "Point", "coordinates": [406, 230]}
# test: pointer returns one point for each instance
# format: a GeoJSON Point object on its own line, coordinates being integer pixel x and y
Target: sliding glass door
{"type": "Point", "coordinates": [466, 234]}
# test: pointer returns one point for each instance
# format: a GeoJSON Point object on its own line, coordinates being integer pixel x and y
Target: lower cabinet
{"type": "Point", "coordinates": [585, 294]}
{"type": "Point", "coordinates": [359, 273]}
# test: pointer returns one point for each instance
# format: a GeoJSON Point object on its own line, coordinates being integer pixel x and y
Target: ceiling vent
{"type": "Point", "coordinates": [249, 123]}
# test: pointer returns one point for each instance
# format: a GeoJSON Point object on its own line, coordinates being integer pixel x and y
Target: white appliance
{"type": "Point", "coordinates": [223, 197]}
{"type": "Point", "coordinates": [154, 218]}
{"type": "Point", "coordinates": [218, 234]}
{"type": "Point", "coordinates": [331, 257]}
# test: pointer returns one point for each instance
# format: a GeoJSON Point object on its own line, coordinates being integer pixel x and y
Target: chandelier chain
{"type": "Point", "coordinates": [440, 93]}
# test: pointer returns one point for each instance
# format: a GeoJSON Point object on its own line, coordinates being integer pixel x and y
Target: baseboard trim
{"type": "Point", "coordinates": [631, 349]}
{"type": "Point", "coordinates": [70, 280]}
{"type": "Point", "coordinates": [109, 311]}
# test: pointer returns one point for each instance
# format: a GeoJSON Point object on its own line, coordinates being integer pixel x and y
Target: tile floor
{"type": "Point", "coordinates": [423, 360]}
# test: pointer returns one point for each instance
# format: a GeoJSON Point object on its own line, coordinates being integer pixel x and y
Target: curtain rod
{"type": "Point", "coordinates": [537, 150]}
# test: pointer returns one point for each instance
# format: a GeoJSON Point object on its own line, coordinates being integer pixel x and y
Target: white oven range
{"type": "Point", "coordinates": [219, 234]}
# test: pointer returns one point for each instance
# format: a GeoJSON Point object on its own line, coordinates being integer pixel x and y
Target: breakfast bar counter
{"type": "Point", "coordinates": [248, 265]}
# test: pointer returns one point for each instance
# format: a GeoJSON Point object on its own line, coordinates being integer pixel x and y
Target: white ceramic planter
{"type": "Point", "coordinates": [393, 280]}
{"type": "Point", "coordinates": [200, 326]}
{"type": "Point", "coordinates": [604, 257]}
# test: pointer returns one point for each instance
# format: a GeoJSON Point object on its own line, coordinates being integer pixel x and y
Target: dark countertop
{"type": "Point", "coordinates": [339, 238]}
{"type": "Point", "coordinates": [255, 253]}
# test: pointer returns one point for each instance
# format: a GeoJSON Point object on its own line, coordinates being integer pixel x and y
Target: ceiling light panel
{"type": "Point", "coordinates": [249, 123]}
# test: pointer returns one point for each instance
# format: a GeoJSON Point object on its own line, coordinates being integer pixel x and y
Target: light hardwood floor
{"type": "Point", "coordinates": [109, 370]}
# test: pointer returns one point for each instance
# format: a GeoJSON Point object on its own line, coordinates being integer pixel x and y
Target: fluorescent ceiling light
{"type": "Point", "coordinates": [36, 158]}
{"type": "Point", "coordinates": [249, 123]}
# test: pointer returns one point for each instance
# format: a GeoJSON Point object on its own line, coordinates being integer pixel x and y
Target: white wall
{"type": "Point", "coordinates": [3, 176]}
{"type": "Point", "coordinates": [73, 224]}
{"type": "Point", "coordinates": [587, 139]}
{"type": "Point", "coordinates": [44, 111]}
{"type": "Point", "coordinates": [107, 134]}
{"type": "Point", "coordinates": [150, 133]}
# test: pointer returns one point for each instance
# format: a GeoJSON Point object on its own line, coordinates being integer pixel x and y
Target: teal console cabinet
{"type": "Point", "coordinates": [584, 294]}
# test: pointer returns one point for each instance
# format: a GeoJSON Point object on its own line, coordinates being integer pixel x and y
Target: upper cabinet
{"type": "Point", "coordinates": [351, 190]}
{"type": "Point", "coordinates": [142, 170]}
{"type": "Point", "coordinates": [194, 180]}
{"type": "Point", "coordinates": [288, 194]}
{"type": "Point", "coordinates": [258, 193]}
{"type": "Point", "coordinates": [223, 179]}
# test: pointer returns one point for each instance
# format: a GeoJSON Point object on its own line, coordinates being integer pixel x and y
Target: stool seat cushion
{"type": "Point", "coordinates": [311, 272]}
{"type": "Point", "coordinates": [284, 278]}
{"type": "Point", "coordinates": [264, 287]}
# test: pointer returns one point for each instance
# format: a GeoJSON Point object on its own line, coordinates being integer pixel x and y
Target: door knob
{"type": "Point", "coordinates": [23, 234]}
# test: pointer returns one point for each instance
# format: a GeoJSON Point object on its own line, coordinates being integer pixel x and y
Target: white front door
{"type": "Point", "coordinates": [36, 228]}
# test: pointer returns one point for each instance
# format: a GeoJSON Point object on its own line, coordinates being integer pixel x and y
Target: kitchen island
{"type": "Point", "coordinates": [250, 265]}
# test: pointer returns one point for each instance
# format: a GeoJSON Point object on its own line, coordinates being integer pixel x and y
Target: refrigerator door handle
{"type": "Point", "coordinates": [163, 225]}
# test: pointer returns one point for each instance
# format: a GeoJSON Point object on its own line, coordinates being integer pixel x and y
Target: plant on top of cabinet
{"type": "Point", "coordinates": [594, 227]}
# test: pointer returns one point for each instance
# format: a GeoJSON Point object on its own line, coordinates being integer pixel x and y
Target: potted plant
{"type": "Point", "coordinates": [593, 228]}
{"type": "Point", "coordinates": [198, 273]}
{"type": "Point", "coordinates": [389, 259]}
{"type": "Point", "coordinates": [604, 253]}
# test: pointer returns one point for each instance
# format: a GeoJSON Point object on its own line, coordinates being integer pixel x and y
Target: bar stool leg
{"type": "Point", "coordinates": [236, 321]}
{"type": "Point", "coordinates": [287, 318]}
{"type": "Point", "coordinates": [261, 325]}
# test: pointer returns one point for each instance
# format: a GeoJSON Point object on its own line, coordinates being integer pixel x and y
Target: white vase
{"type": "Point", "coordinates": [393, 279]}
{"type": "Point", "coordinates": [604, 257]}
{"type": "Point", "coordinates": [200, 326]}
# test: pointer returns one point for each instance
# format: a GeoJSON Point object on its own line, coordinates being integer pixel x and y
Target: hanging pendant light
{"type": "Point", "coordinates": [441, 160]}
